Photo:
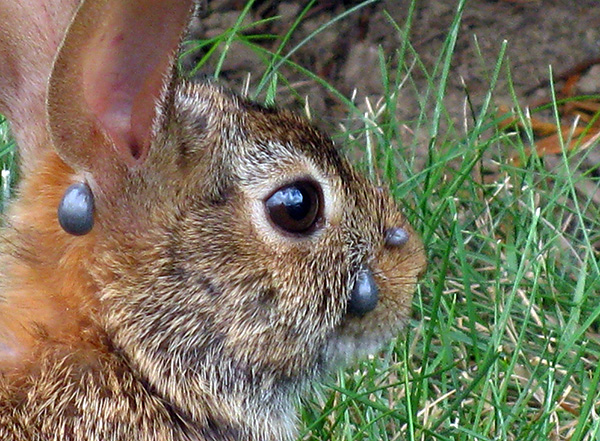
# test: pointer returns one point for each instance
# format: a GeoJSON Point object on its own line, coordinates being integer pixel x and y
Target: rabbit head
{"type": "Point", "coordinates": [235, 253]}
{"type": "Point", "coordinates": [209, 277]}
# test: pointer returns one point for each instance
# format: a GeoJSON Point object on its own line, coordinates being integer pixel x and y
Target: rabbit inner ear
{"type": "Point", "coordinates": [145, 107]}
{"type": "Point", "coordinates": [108, 78]}
{"type": "Point", "coordinates": [122, 84]}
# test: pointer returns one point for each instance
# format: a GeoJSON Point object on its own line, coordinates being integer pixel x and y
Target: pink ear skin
{"type": "Point", "coordinates": [108, 78]}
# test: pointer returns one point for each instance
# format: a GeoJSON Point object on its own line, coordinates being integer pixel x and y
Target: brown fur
{"type": "Point", "coordinates": [184, 314]}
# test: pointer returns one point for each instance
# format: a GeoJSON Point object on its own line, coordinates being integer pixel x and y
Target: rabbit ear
{"type": "Point", "coordinates": [30, 33]}
{"type": "Point", "coordinates": [108, 77]}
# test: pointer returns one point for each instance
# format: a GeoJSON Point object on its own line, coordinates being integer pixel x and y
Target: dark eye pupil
{"type": "Point", "coordinates": [295, 207]}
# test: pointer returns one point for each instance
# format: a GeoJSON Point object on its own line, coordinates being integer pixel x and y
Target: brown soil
{"type": "Point", "coordinates": [539, 34]}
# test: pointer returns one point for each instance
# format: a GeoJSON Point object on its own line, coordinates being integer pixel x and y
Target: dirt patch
{"type": "Point", "coordinates": [347, 54]}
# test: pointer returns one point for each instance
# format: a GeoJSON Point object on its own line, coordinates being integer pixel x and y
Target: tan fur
{"type": "Point", "coordinates": [47, 292]}
{"type": "Point", "coordinates": [185, 314]}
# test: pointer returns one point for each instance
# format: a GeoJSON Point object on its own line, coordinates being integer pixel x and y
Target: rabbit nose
{"type": "Point", "coordinates": [396, 237]}
{"type": "Point", "coordinates": [365, 293]}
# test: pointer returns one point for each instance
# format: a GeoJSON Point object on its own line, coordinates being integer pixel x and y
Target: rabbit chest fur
{"type": "Point", "coordinates": [190, 311]}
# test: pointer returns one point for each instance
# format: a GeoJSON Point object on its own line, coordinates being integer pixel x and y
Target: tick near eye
{"type": "Point", "coordinates": [295, 208]}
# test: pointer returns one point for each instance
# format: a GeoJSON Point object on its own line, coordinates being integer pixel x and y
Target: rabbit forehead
{"type": "Point", "coordinates": [275, 164]}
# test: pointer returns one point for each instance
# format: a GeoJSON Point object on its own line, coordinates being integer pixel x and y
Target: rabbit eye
{"type": "Point", "coordinates": [296, 207]}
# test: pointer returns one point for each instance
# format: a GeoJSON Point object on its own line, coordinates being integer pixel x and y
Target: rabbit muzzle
{"type": "Point", "coordinates": [364, 296]}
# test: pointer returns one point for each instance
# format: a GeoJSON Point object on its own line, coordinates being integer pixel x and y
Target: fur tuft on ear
{"type": "Point", "coordinates": [107, 79]}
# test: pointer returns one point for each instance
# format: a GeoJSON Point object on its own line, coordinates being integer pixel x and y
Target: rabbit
{"type": "Point", "coordinates": [179, 263]}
